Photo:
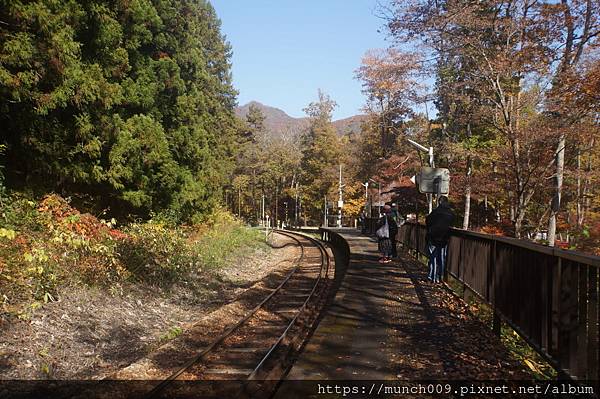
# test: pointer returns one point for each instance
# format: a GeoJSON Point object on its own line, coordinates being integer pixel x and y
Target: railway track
{"type": "Point", "coordinates": [253, 354]}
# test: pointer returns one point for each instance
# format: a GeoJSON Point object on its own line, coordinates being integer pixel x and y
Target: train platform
{"type": "Point", "coordinates": [387, 322]}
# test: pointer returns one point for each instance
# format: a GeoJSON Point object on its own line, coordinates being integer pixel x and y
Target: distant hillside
{"type": "Point", "coordinates": [280, 124]}
{"type": "Point", "coordinates": [277, 122]}
{"type": "Point", "coordinates": [349, 125]}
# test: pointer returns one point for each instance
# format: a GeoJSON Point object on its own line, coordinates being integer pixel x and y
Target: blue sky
{"type": "Point", "coordinates": [283, 51]}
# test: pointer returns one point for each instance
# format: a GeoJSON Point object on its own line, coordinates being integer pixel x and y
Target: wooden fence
{"type": "Point", "coordinates": [548, 295]}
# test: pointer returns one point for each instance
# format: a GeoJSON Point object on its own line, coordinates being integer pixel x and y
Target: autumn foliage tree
{"type": "Point", "coordinates": [503, 70]}
{"type": "Point", "coordinates": [390, 85]}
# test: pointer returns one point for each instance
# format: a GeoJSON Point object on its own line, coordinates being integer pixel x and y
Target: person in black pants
{"type": "Point", "coordinates": [386, 244]}
{"type": "Point", "coordinates": [438, 224]}
{"type": "Point", "coordinates": [399, 222]}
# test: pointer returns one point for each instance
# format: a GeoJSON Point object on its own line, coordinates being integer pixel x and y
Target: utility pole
{"type": "Point", "coordinates": [341, 199]}
{"type": "Point", "coordinates": [296, 206]}
{"type": "Point", "coordinates": [378, 195]}
{"type": "Point", "coordinates": [367, 211]}
{"type": "Point", "coordinates": [366, 185]}
{"type": "Point", "coordinates": [325, 213]}
{"type": "Point", "coordinates": [429, 152]}
{"type": "Point", "coordinates": [263, 209]}
{"type": "Point", "coordinates": [240, 201]}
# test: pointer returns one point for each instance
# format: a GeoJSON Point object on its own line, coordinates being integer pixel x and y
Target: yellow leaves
{"type": "Point", "coordinates": [532, 366]}
{"type": "Point", "coordinates": [36, 256]}
{"type": "Point", "coordinates": [7, 233]}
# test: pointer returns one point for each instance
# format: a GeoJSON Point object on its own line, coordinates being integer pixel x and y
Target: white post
{"type": "Point", "coordinates": [340, 202]}
{"type": "Point", "coordinates": [325, 213]}
{"type": "Point", "coordinates": [430, 196]}
{"type": "Point", "coordinates": [296, 207]}
{"type": "Point", "coordinates": [379, 197]}
{"type": "Point", "coordinates": [267, 228]}
{"type": "Point", "coordinates": [431, 161]}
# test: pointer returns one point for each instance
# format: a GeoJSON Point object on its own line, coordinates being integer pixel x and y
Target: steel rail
{"type": "Point", "coordinates": [324, 261]}
{"type": "Point", "coordinates": [219, 340]}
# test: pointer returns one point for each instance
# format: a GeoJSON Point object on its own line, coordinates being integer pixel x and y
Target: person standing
{"type": "Point", "coordinates": [362, 219]}
{"type": "Point", "coordinates": [399, 222]}
{"type": "Point", "coordinates": [438, 224]}
{"type": "Point", "coordinates": [386, 232]}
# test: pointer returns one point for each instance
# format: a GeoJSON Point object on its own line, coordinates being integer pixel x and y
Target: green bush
{"type": "Point", "coordinates": [47, 244]}
{"type": "Point", "coordinates": [42, 274]}
{"type": "Point", "coordinates": [155, 254]}
{"type": "Point", "coordinates": [162, 255]}
{"type": "Point", "coordinates": [20, 213]}
{"type": "Point", "coordinates": [226, 242]}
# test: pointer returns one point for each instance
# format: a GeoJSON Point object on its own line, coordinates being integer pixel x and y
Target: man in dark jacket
{"type": "Point", "coordinates": [438, 224]}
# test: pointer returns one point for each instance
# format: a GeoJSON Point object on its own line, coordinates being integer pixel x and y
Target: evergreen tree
{"type": "Point", "coordinates": [321, 155]}
{"type": "Point", "coordinates": [129, 100]}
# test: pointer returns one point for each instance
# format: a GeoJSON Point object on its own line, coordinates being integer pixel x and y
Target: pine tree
{"type": "Point", "coordinates": [131, 101]}
{"type": "Point", "coordinates": [321, 155]}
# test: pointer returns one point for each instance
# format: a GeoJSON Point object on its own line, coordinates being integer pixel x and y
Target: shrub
{"type": "Point", "coordinates": [20, 213]}
{"type": "Point", "coordinates": [155, 254]}
{"type": "Point", "coordinates": [226, 240]}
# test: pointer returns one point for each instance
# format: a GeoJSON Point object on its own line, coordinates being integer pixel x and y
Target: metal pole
{"type": "Point", "coordinates": [379, 197]}
{"type": "Point", "coordinates": [429, 152]}
{"type": "Point", "coordinates": [340, 200]}
{"type": "Point", "coordinates": [296, 206]}
{"type": "Point", "coordinates": [263, 209]}
{"type": "Point", "coordinates": [325, 213]}
{"type": "Point", "coordinates": [431, 161]}
{"type": "Point", "coordinates": [432, 164]}
{"type": "Point", "coordinates": [417, 227]}
{"type": "Point", "coordinates": [430, 202]}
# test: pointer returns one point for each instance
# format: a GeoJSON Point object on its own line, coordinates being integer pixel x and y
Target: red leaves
{"type": "Point", "coordinates": [72, 220]}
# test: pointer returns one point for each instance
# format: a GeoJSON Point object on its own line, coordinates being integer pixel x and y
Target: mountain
{"type": "Point", "coordinates": [349, 125]}
{"type": "Point", "coordinates": [277, 122]}
{"type": "Point", "coordinates": [280, 124]}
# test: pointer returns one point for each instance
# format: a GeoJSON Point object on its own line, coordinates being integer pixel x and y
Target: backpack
{"type": "Point", "coordinates": [383, 231]}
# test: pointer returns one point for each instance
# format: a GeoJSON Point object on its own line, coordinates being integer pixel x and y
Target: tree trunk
{"type": "Point", "coordinates": [555, 206]}
{"type": "Point", "coordinates": [585, 198]}
{"type": "Point", "coordinates": [519, 223]}
{"type": "Point", "coordinates": [520, 212]}
{"type": "Point", "coordinates": [579, 193]}
{"type": "Point", "coordinates": [512, 206]}
{"type": "Point", "coordinates": [468, 194]}
{"type": "Point", "coordinates": [468, 173]}
{"type": "Point", "coordinates": [485, 206]}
